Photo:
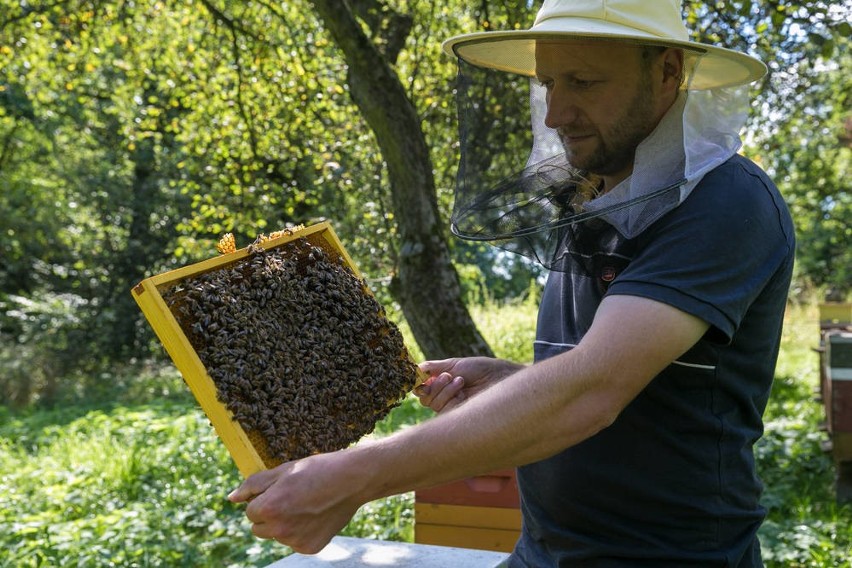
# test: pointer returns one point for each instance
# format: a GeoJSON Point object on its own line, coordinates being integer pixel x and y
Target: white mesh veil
{"type": "Point", "coordinates": [534, 210]}
{"type": "Point", "coordinates": [699, 132]}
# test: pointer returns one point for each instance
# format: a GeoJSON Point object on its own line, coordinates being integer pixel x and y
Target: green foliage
{"type": "Point", "coordinates": [488, 272]}
{"type": "Point", "coordinates": [800, 129]}
{"type": "Point", "coordinates": [811, 156]}
{"type": "Point", "coordinates": [141, 486]}
{"type": "Point", "coordinates": [805, 526]}
{"type": "Point", "coordinates": [510, 326]}
{"type": "Point", "coordinates": [145, 484]}
{"type": "Point", "coordinates": [391, 518]}
{"type": "Point", "coordinates": [132, 135]}
{"type": "Point", "coordinates": [43, 331]}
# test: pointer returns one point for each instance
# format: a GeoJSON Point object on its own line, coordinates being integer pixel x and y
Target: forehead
{"type": "Point", "coordinates": [566, 56]}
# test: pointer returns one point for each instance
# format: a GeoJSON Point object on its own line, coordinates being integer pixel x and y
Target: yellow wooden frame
{"type": "Point", "coordinates": [150, 300]}
{"type": "Point", "coordinates": [835, 312]}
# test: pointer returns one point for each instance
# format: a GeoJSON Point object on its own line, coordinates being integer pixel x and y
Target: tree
{"type": "Point", "coordinates": [799, 127]}
{"type": "Point", "coordinates": [435, 312]}
{"type": "Point", "coordinates": [810, 154]}
{"type": "Point", "coordinates": [132, 135]}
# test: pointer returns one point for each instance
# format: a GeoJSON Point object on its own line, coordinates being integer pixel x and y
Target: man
{"type": "Point", "coordinates": [658, 329]}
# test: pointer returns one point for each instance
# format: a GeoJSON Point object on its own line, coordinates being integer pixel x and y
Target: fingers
{"type": "Point", "coordinates": [301, 504]}
{"type": "Point", "coordinates": [451, 395]}
{"type": "Point", "coordinates": [437, 367]}
{"type": "Point", "coordinates": [253, 486]}
{"type": "Point", "coordinates": [441, 391]}
{"type": "Point", "coordinates": [311, 543]}
{"type": "Point", "coordinates": [428, 389]}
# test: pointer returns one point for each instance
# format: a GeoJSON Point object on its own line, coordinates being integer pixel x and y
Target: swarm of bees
{"type": "Point", "coordinates": [300, 351]}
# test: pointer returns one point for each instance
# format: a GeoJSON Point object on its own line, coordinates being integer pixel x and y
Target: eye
{"type": "Point", "coordinates": [581, 83]}
{"type": "Point", "coordinates": [572, 83]}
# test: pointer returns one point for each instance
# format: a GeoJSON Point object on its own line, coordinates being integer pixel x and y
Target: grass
{"type": "Point", "coordinates": [805, 526]}
{"type": "Point", "coordinates": [125, 486]}
{"type": "Point", "coordinates": [143, 483]}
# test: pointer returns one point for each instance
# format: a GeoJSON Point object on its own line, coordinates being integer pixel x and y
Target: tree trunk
{"type": "Point", "coordinates": [427, 285]}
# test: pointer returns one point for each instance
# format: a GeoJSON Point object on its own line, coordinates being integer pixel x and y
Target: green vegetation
{"type": "Point", "coordinates": [134, 483]}
{"type": "Point", "coordinates": [805, 525]}
{"type": "Point", "coordinates": [133, 134]}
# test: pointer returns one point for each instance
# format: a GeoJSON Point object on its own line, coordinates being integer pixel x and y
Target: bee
{"type": "Point", "coordinates": [280, 333]}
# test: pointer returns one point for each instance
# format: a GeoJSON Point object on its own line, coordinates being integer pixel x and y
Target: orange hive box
{"type": "Point", "coordinates": [263, 361]}
{"type": "Point", "coordinates": [478, 512]}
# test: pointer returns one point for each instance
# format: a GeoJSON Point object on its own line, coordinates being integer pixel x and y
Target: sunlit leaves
{"type": "Point", "coordinates": [800, 116]}
{"type": "Point", "coordinates": [166, 123]}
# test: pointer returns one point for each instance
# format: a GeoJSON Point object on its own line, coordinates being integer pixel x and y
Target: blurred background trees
{"type": "Point", "coordinates": [133, 134]}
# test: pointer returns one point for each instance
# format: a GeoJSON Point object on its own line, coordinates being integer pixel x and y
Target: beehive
{"type": "Point", "coordinates": [480, 512]}
{"type": "Point", "coordinates": [835, 313]}
{"type": "Point", "coordinates": [282, 344]}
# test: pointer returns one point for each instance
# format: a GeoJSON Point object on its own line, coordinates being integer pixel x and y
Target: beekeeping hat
{"type": "Point", "coordinates": [646, 22]}
{"type": "Point", "coordinates": [517, 190]}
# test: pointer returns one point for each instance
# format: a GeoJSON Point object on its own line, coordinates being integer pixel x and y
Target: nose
{"type": "Point", "coordinates": [561, 109]}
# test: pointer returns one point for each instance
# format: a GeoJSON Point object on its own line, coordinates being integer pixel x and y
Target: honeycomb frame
{"type": "Point", "coordinates": [242, 446]}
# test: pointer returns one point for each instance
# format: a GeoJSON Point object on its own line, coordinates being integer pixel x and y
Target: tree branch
{"type": "Point", "coordinates": [246, 116]}
{"type": "Point", "coordinates": [229, 22]}
{"type": "Point", "coordinates": [389, 26]}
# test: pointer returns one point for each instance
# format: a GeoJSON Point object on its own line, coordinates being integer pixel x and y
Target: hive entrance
{"type": "Point", "coordinates": [299, 350]}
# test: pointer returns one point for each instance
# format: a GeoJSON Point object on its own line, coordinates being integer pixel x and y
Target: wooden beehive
{"type": "Point", "coordinates": [837, 363]}
{"type": "Point", "coordinates": [835, 313]}
{"type": "Point", "coordinates": [478, 512]}
{"type": "Point", "coordinates": [247, 449]}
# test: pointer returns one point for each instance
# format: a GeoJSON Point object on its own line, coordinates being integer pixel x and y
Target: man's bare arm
{"type": "Point", "coordinates": [531, 415]}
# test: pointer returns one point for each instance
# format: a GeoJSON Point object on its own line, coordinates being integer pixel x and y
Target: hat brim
{"type": "Point", "coordinates": [513, 51]}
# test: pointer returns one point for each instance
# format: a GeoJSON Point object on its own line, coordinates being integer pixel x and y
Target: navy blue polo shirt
{"type": "Point", "coordinates": [671, 483]}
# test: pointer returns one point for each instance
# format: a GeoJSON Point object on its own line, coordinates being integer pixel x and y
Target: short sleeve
{"type": "Point", "coordinates": [714, 254]}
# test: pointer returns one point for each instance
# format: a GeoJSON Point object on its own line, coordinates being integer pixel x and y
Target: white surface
{"type": "Point", "coordinates": [347, 552]}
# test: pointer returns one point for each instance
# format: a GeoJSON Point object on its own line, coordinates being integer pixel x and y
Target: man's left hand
{"type": "Point", "coordinates": [302, 504]}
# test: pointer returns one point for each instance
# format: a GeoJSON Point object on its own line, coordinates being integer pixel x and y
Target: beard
{"type": "Point", "coordinates": [616, 146]}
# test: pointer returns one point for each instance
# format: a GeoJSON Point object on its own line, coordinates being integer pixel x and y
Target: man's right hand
{"type": "Point", "coordinates": [452, 381]}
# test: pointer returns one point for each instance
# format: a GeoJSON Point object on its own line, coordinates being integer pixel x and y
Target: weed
{"type": "Point", "coordinates": [144, 484]}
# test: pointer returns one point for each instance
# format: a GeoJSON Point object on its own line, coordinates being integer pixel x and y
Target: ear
{"type": "Point", "coordinates": [673, 71]}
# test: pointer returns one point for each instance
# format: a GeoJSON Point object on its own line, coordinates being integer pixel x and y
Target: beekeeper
{"type": "Point", "coordinates": [669, 257]}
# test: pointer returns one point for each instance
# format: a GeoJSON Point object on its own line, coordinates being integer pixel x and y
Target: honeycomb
{"type": "Point", "coordinates": [300, 351]}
